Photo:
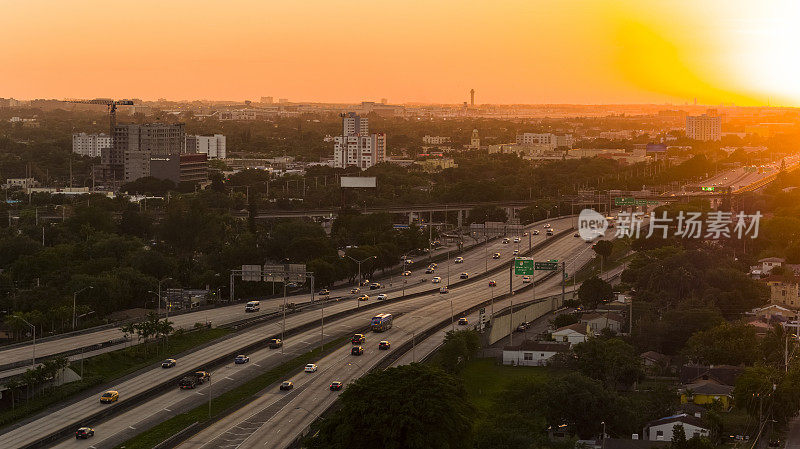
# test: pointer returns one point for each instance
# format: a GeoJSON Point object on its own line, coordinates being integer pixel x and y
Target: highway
{"type": "Point", "coordinates": [276, 418]}
{"type": "Point", "coordinates": [474, 263]}
{"type": "Point", "coordinates": [57, 418]}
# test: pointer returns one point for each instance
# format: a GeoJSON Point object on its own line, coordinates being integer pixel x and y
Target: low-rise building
{"type": "Point", "coordinates": [774, 312]}
{"type": "Point", "coordinates": [435, 165]}
{"type": "Point", "coordinates": [784, 291]}
{"type": "Point", "coordinates": [214, 146]}
{"type": "Point", "coordinates": [661, 429]}
{"type": "Point", "coordinates": [573, 333]}
{"type": "Point", "coordinates": [188, 167]}
{"type": "Point", "coordinates": [435, 140]}
{"type": "Point", "coordinates": [22, 183]}
{"type": "Point", "coordinates": [707, 392]}
{"type": "Point", "coordinates": [532, 353]}
{"type": "Point", "coordinates": [600, 321]}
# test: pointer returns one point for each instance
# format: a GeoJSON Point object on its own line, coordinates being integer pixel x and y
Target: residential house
{"type": "Point", "coordinates": [721, 374]}
{"type": "Point", "coordinates": [599, 321]}
{"type": "Point", "coordinates": [707, 392]}
{"type": "Point", "coordinates": [784, 290]}
{"type": "Point", "coordinates": [767, 264]}
{"type": "Point", "coordinates": [774, 312]}
{"type": "Point", "coordinates": [532, 353]}
{"type": "Point", "coordinates": [761, 326]}
{"type": "Point", "coordinates": [655, 362]}
{"type": "Point", "coordinates": [620, 443]}
{"type": "Point", "coordinates": [661, 429]}
{"type": "Point", "coordinates": [691, 409]}
{"type": "Point", "coordinates": [573, 334]}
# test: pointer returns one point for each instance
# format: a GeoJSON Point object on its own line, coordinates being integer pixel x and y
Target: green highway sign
{"type": "Point", "coordinates": [546, 266]}
{"type": "Point", "coordinates": [707, 189]}
{"type": "Point", "coordinates": [625, 201]}
{"type": "Point", "coordinates": [523, 267]}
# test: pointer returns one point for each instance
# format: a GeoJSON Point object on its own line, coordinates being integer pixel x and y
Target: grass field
{"type": "Point", "coordinates": [484, 379]}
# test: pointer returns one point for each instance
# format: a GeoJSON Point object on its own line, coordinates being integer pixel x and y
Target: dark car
{"type": "Point", "coordinates": [241, 359]}
{"type": "Point", "coordinates": [357, 350]}
{"type": "Point", "coordinates": [188, 383]}
{"type": "Point", "coordinates": [358, 339]}
{"type": "Point", "coordinates": [384, 345]}
{"type": "Point", "coordinates": [84, 433]}
{"type": "Point", "coordinates": [336, 385]}
{"type": "Point", "coordinates": [374, 286]}
{"type": "Point", "coordinates": [202, 376]}
{"type": "Point", "coordinates": [169, 363]}
{"type": "Point", "coordinates": [275, 343]}
{"type": "Point", "coordinates": [463, 321]}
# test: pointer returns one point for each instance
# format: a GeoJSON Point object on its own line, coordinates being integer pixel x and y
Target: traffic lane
{"type": "Point", "coordinates": [140, 383]}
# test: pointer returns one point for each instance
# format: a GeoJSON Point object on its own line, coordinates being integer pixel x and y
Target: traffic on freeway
{"type": "Point", "coordinates": [50, 422]}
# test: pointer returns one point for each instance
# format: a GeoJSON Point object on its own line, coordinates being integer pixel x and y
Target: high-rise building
{"type": "Point", "coordinates": [475, 140]}
{"type": "Point", "coordinates": [356, 146]}
{"type": "Point", "coordinates": [136, 144]}
{"type": "Point", "coordinates": [704, 127]}
{"type": "Point", "coordinates": [213, 146]}
{"type": "Point", "coordinates": [472, 97]}
{"type": "Point", "coordinates": [90, 145]}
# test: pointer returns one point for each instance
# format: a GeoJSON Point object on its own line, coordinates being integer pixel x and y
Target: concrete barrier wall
{"type": "Point", "coordinates": [503, 324]}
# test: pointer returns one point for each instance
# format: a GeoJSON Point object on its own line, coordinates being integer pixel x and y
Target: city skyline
{"type": "Point", "coordinates": [510, 52]}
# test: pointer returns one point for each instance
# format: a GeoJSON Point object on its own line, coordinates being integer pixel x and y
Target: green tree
{"type": "Point", "coordinates": [726, 343]}
{"type": "Point", "coordinates": [457, 349]}
{"type": "Point", "coordinates": [611, 361]}
{"type": "Point", "coordinates": [408, 407]}
{"type": "Point", "coordinates": [593, 292]}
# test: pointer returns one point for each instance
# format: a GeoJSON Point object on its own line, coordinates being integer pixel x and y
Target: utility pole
{"type": "Point", "coordinates": [563, 281]}
{"type": "Point", "coordinates": [283, 324]}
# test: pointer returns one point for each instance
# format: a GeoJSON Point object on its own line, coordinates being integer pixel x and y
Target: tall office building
{"type": "Point", "coordinates": [136, 144]}
{"type": "Point", "coordinates": [213, 146]}
{"type": "Point", "coordinates": [90, 145]}
{"type": "Point", "coordinates": [356, 146]}
{"type": "Point", "coordinates": [475, 140]}
{"type": "Point", "coordinates": [704, 127]}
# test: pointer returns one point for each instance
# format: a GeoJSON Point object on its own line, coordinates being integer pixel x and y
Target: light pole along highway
{"type": "Point", "coordinates": [74, 301]}
{"type": "Point", "coordinates": [360, 280]}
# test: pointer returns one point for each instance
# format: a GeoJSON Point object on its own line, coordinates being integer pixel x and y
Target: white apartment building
{"type": "Point", "coordinates": [90, 144]}
{"type": "Point", "coordinates": [552, 140]}
{"type": "Point", "coordinates": [435, 140]}
{"type": "Point", "coordinates": [212, 145]}
{"type": "Point", "coordinates": [703, 127]}
{"type": "Point", "coordinates": [356, 146]}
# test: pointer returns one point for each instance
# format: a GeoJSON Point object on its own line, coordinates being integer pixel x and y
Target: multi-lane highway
{"type": "Point", "coordinates": [277, 417]}
{"type": "Point", "coordinates": [474, 263]}
{"type": "Point", "coordinates": [55, 419]}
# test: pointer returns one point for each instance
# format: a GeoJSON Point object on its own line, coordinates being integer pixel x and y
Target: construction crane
{"type": "Point", "coordinates": [110, 104]}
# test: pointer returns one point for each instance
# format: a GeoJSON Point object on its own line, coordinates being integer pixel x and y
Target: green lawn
{"type": "Point", "coordinates": [107, 367]}
{"type": "Point", "coordinates": [484, 379]}
{"type": "Point", "coordinates": [236, 397]}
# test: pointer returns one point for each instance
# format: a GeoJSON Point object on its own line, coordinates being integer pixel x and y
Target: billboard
{"type": "Point", "coordinates": [656, 148]}
{"type": "Point", "coordinates": [359, 181]}
{"type": "Point", "coordinates": [274, 273]}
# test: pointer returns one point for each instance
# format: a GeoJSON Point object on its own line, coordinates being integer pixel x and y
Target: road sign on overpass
{"type": "Point", "coordinates": [546, 266]}
{"type": "Point", "coordinates": [523, 267]}
{"type": "Point", "coordinates": [631, 201]}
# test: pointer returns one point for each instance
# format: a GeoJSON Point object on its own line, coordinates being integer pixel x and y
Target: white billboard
{"type": "Point", "coordinates": [251, 273]}
{"type": "Point", "coordinates": [359, 181]}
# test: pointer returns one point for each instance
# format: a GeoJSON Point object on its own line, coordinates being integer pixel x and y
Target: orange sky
{"type": "Point", "coordinates": [510, 51]}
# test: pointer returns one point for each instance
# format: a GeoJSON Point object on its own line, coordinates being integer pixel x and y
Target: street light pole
{"type": "Point", "coordinates": [33, 359]}
{"type": "Point", "coordinates": [283, 324]}
{"type": "Point", "coordinates": [74, 299]}
{"type": "Point", "coordinates": [158, 310]}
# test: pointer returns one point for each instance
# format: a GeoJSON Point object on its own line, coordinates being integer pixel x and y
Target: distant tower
{"type": "Point", "coordinates": [472, 97]}
{"type": "Point", "coordinates": [475, 141]}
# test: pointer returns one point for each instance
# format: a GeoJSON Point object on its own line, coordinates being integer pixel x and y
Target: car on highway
{"type": "Point", "coordinates": [549, 232]}
{"type": "Point", "coordinates": [252, 306]}
{"type": "Point", "coordinates": [275, 343]}
{"type": "Point", "coordinates": [169, 363]}
{"type": "Point", "coordinates": [458, 260]}
{"type": "Point", "coordinates": [516, 240]}
{"type": "Point", "coordinates": [336, 385]}
{"type": "Point", "coordinates": [109, 397]}
{"type": "Point", "coordinates": [241, 359]}
{"type": "Point", "coordinates": [311, 368]}
{"type": "Point", "coordinates": [516, 251]}
{"type": "Point", "coordinates": [547, 225]}
{"type": "Point", "coordinates": [382, 297]}
{"type": "Point", "coordinates": [287, 385]}
{"type": "Point", "coordinates": [496, 256]}
{"type": "Point", "coordinates": [363, 298]}
{"type": "Point", "coordinates": [535, 232]}
{"type": "Point", "coordinates": [526, 279]}
{"type": "Point", "coordinates": [576, 235]}
{"type": "Point", "coordinates": [429, 270]}
{"type": "Point", "coordinates": [84, 433]}
{"type": "Point", "coordinates": [384, 345]}
{"type": "Point", "coordinates": [436, 280]}
{"type": "Point", "coordinates": [432, 265]}
{"type": "Point", "coordinates": [406, 273]}
{"type": "Point", "coordinates": [358, 339]}
{"type": "Point", "coordinates": [324, 292]}
{"type": "Point", "coordinates": [374, 285]}
{"type": "Point", "coordinates": [202, 376]}
{"type": "Point", "coordinates": [524, 234]}
{"type": "Point", "coordinates": [506, 241]}
{"type": "Point", "coordinates": [188, 383]}
{"type": "Point", "coordinates": [464, 275]}
{"type": "Point", "coordinates": [355, 290]}
{"type": "Point", "coordinates": [443, 290]}
{"type": "Point", "coordinates": [523, 327]}
{"type": "Point", "coordinates": [365, 282]}
{"type": "Point", "coordinates": [463, 321]}
{"type": "Point", "coordinates": [357, 350]}
{"type": "Point", "coordinates": [492, 284]}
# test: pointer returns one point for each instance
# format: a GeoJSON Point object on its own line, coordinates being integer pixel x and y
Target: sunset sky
{"type": "Point", "coordinates": [433, 51]}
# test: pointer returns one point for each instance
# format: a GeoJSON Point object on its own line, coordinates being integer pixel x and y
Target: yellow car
{"type": "Point", "coordinates": [109, 397]}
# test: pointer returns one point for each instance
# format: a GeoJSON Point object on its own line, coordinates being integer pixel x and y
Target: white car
{"type": "Point", "coordinates": [516, 251]}
{"type": "Point", "coordinates": [382, 297]}
{"type": "Point", "coordinates": [516, 239]}
{"type": "Point", "coordinates": [535, 232]}
{"type": "Point", "coordinates": [458, 260]}
{"type": "Point", "coordinates": [436, 280]}
{"type": "Point", "coordinates": [505, 241]}
{"type": "Point", "coordinates": [406, 273]}
{"type": "Point", "coordinates": [311, 368]}
{"type": "Point", "coordinates": [526, 279]}
{"type": "Point", "coordinates": [547, 225]}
